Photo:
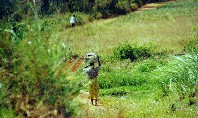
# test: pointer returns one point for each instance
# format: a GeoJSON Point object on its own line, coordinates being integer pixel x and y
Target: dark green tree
{"type": "Point", "coordinates": [6, 8]}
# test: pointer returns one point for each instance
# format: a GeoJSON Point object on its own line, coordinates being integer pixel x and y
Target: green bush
{"type": "Point", "coordinates": [132, 52]}
{"type": "Point", "coordinates": [149, 65]}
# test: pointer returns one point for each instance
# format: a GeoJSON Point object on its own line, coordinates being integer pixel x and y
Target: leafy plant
{"type": "Point", "coordinates": [132, 52]}
{"type": "Point", "coordinates": [181, 76]}
{"type": "Point", "coordinates": [149, 65]}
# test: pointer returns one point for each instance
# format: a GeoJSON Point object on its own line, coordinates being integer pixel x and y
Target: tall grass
{"type": "Point", "coordinates": [33, 74]}
{"type": "Point", "coordinates": [181, 76]}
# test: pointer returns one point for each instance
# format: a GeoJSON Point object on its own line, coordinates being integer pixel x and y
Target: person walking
{"type": "Point", "coordinates": [92, 73]}
{"type": "Point", "coordinates": [73, 21]}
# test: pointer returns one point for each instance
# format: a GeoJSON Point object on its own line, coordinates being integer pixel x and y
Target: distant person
{"type": "Point", "coordinates": [73, 21]}
{"type": "Point", "coordinates": [92, 73]}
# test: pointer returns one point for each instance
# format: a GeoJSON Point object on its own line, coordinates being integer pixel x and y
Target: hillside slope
{"type": "Point", "coordinates": [169, 28]}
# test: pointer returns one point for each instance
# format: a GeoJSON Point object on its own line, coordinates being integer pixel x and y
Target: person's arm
{"type": "Point", "coordinates": [98, 68]}
{"type": "Point", "coordinates": [86, 69]}
{"type": "Point", "coordinates": [75, 20]}
{"type": "Point", "coordinates": [99, 64]}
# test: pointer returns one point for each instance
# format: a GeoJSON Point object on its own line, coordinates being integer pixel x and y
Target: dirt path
{"type": "Point", "coordinates": [89, 110]}
{"type": "Point", "coordinates": [151, 6]}
{"type": "Point", "coordinates": [73, 65]}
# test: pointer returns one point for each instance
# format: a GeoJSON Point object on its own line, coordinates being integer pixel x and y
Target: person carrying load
{"type": "Point", "coordinates": [92, 69]}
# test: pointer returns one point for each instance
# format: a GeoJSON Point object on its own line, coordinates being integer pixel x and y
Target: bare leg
{"type": "Point", "coordinates": [96, 104]}
{"type": "Point", "coordinates": [92, 101]}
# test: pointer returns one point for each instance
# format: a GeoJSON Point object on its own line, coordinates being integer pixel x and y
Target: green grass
{"type": "Point", "coordinates": [7, 113]}
{"type": "Point", "coordinates": [142, 106]}
{"type": "Point", "coordinates": [169, 29]}
{"type": "Point", "coordinates": [144, 88]}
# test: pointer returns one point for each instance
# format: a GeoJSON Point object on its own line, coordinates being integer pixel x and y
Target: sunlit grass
{"type": "Point", "coordinates": [141, 106]}
{"type": "Point", "coordinates": [168, 29]}
{"type": "Point", "coordinates": [164, 28]}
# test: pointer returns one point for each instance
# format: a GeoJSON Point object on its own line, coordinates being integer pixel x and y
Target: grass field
{"type": "Point", "coordinates": [169, 28]}
{"type": "Point", "coordinates": [140, 89]}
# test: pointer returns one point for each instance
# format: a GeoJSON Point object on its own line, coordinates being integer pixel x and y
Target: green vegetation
{"type": "Point", "coordinates": [149, 63]}
{"type": "Point", "coordinates": [97, 8]}
{"type": "Point", "coordinates": [33, 76]}
{"type": "Point", "coordinates": [126, 51]}
{"type": "Point", "coordinates": [162, 27]}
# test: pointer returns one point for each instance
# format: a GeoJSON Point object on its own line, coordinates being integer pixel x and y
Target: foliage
{"type": "Point", "coordinates": [124, 78]}
{"type": "Point", "coordinates": [32, 72]}
{"type": "Point", "coordinates": [6, 8]}
{"type": "Point", "coordinates": [186, 75]}
{"type": "Point", "coordinates": [127, 6]}
{"type": "Point", "coordinates": [7, 113]}
{"type": "Point", "coordinates": [149, 65]}
{"type": "Point", "coordinates": [192, 45]}
{"type": "Point", "coordinates": [62, 21]}
{"type": "Point", "coordinates": [181, 76]}
{"type": "Point", "coordinates": [132, 52]}
{"type": "Point", "coordinates": [104, 7]}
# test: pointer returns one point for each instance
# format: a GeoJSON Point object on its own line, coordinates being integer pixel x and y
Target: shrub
{"type": "Point", "coordinates": [149, 65]}
{"type": "Point", "coordinates": [132, 52]}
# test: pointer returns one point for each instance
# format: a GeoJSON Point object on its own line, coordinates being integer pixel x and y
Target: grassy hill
{"type": "Point", "coordinates": [168, 27]}
{"type": "Point", "coordinates": [150, 87]}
